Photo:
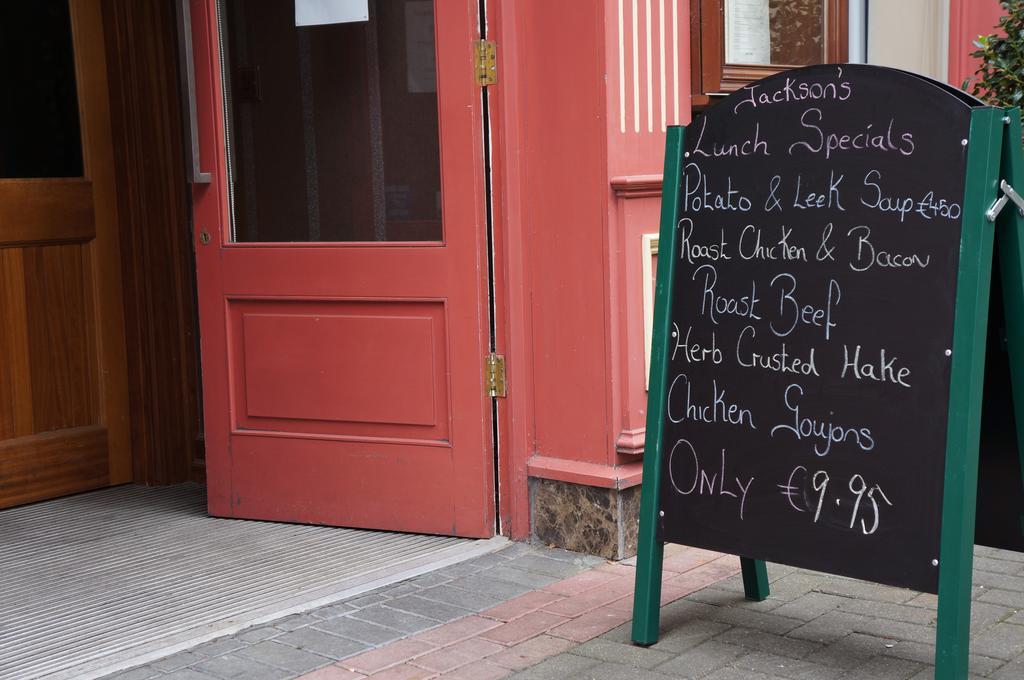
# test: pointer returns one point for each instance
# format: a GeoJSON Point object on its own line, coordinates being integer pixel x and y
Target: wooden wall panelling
{"type": "Point", "coordinates": [157, 257]}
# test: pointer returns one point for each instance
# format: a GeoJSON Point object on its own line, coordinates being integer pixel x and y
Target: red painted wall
{"type": "Point", "coordinates": [585, 90]}
{"type": "Point", "coordinates": [967, 20]}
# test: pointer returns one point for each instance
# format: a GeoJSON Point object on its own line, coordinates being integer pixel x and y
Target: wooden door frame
{"type": "Point", "coordinates": [156, 252]}
{"type": "Point", "coordinates": [97, 151]}
{"type": "Point", "coordinates": [515, 425]}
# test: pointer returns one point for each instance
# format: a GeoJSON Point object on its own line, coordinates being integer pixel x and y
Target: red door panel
{"type": "Point", "coordinates": [342, 372]}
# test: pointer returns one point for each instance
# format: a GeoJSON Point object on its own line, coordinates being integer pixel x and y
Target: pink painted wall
{"type": "Point", "coordinates": [585, 92]}
{"type": "Point", "coordinates": [967, 20]}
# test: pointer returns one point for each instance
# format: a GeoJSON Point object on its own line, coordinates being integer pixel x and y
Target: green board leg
{"type": "Point", "coordinates": [1010, 248]}
{"type": "Point", "coordinates": [647, 592]}
{"type": "Point", "coordinates": [755, 579]}
{"type": "Point", "coordinates": [650, 551]}
{"type": "Point", "coordinates": [960, 485]}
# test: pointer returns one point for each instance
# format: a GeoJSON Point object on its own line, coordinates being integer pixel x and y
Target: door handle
{"type": "Point", "coordinates": [188, 75]}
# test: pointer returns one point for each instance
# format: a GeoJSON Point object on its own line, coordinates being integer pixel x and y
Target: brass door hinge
{"type": "Point", "coordinates": [494, 375]}
{"type": "Point", "coordinates": [485, 56]}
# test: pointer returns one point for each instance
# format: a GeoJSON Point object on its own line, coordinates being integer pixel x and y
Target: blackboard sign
{"type": "Point", "coordinates": [820, 319]}
{"type": "Point", "coordinates": [809, 365]}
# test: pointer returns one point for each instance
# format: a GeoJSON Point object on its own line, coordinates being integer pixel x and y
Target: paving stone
{"type": "Point", "coordinates": [403, 672]}
{"type": "Point", "coordinates": [538, 564]}
{"type": "Point", "coordinates": [827, 628]}
{"type": "Point", "coordinates": [633, 655]}
{"type": "Point", "coordinates": [731, 598]}
{"type": "Point", "coordinates": [558, 668]}
{"type": "Point", "coordinates": [276, 654]}
{"type": "Point", "coordinates": [458, 654]}
{"type": "Point", "coordinates": [377, 660]}
{"type": "Point", "coordinates": [523, 628]}
{"type": "Point", "coordinates": [1007, 555]}
{"type": "Point", "coordinates": [730, 673]}
{"type": "Point", "coordinates": [1002, 581]}
{"type": "Point", "coordinates": [1006, 598]}
{"type": "Point", "coordinates": [680, 638]}
{"type": "Point", "coordinates": [809, 606]}
{"type": "Point", "coordinates": [176, 661]}
{"type": "Point", "coordinates": [849, 652]}
{"type": "Point", "coordinates": [324, 644]}
{"type": "Point", "coordinates": [702, 660]}
{"type": "Point", "coordinates": [361, 631]}
{"type": "Point", "coordinates": [997, 566]}
{"type": "Point", "coordinates": [773, 665]}
{"type": "Point", "coordinates": [925, 600]}
{"type": "Point", "coordinates": [529, 652]}
{"type": "Point", "coordinates": [1011, 671]}
{"type": "Point", "coordinates": [865, 591]}
{"type": "Point", "coordinates": [441, 612]}
{"type": "Point", "coordinates": [733, 584]}
{"type": "Point", "coordinates": [465, 599]}
{"type": "Point", "coordinates": [294, 622]}
{"type": "Point", "coordinates": [986, 614]}
{"type": "Point", "coordinates": [766, 642]}
{"type": "Point", "coordinates": [232, 666]}
{"type": "Point", "coordinates": [258, 634]}
{"type": "Point", "coordinates": [332, 673]}
{"type": "Point", "coordinates": [591, 624]}
{"type": "Point", "coordinates": [333, 610]}
{"type": "Point", "coordinates": [888, 610]}
{"type": "Point", "coordinates": [366, 600]}
{"type": "Point", "coordinates": [487, 561]}
{"type": "Point", "coordinates": [457, 630]}
{"type": "Point", "coordinates": [777, 571]}
{"type": "Point", "coordinates": [512, 573]}
{"type": "Point", "coordinates": [458, 570]}
{"type": "Point", "coordinates": [574, 605]}
{"type": "Point", "coordinates": [581, 582]}
{"type": "Point", "coordinates": [393, 618]}
{"type": "Point", "coordinates": [140, 673]}
{"type": "Point", "coordinates": [898, 630]}
{"type": "Point", "coordinates": [769, 623]}
{"type": "Point", "coordinates": [503, 590]}
{"type": "Point", "coordinates": [430, 579]}
{"type": "Point", "coordinates": [925, 654]}
{"type": "Point", "coordinates": [518, 606]}
{"type": "Point", "coordinates": [514, 550]}
{"type": "Point", "coordinates": [478, 670]}
{"type": "Point", "coordinates": [403, 588]}
{"type": "Point", "coordinates": [188, 674]}
{"type": "Point", "coordinates": [581, 560]}
{"type": "Point", "coordinates": [218, 647]}
{"type": "Point", "coordinates": [1001, 641]}
{"type": "Point", "coordinates": [885, 668]}
{"type": "Point", "coordinates": [616, 671]}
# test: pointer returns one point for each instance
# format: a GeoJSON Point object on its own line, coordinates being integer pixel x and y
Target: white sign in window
{"type": "Point", "coordinates": [747, 32]}
{"type": "Point", "coordinates": [320, 12]}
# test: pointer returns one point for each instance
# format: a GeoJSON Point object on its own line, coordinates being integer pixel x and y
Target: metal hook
{"type": "Point", "coordinates": [1009, 194]}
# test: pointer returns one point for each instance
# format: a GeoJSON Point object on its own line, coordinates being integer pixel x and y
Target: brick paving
{"type": "Point", "coordinates": [537, 614]}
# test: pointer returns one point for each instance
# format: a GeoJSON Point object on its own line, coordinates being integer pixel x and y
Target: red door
{"type": "Point", "coordinates": [341, 256]}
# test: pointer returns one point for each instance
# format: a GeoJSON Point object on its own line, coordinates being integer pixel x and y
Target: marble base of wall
{"type": "Point", "coordinates": [586, 519]}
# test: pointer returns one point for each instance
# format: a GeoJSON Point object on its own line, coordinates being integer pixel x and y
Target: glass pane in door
{"type": "Point", "coordinates": [332, 129]}
{"type": "Point", "coordinates": [40, 135]}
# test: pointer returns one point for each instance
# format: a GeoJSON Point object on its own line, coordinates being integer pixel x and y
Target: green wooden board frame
{"type": "Point", "coordinates": [995, 134]}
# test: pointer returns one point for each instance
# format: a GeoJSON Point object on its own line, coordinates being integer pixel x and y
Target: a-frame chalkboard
{"type": "Point", "coordinates": [820, 323]}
